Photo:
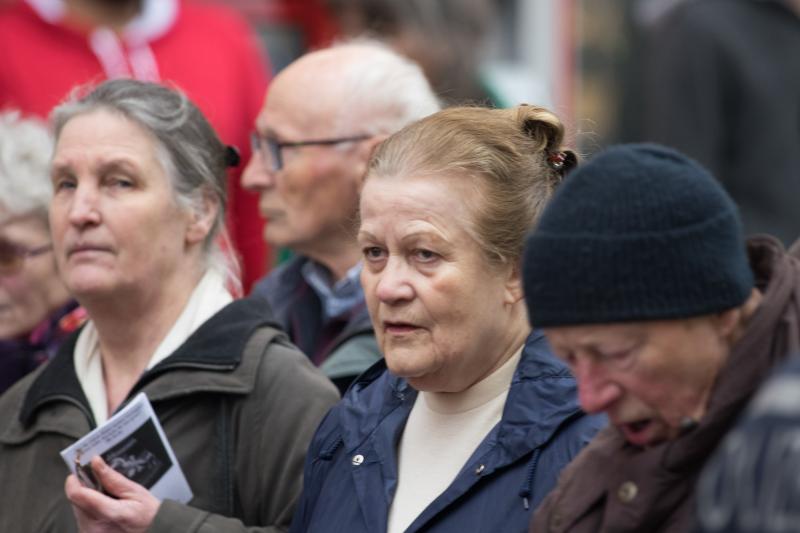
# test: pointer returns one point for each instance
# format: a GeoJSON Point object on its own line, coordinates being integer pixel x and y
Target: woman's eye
{"type": "Point", "coordinates": [425, 256]}
{"type": "Point", "coordinates": [120, 182]}
{"type": "Point", "coordinates": [373, 253]}
{"type": "Point", "coordinates": [63, 184]}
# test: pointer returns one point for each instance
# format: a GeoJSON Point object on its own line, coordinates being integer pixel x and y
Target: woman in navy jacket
{"type": "Point", "coordinates": [466, 423]}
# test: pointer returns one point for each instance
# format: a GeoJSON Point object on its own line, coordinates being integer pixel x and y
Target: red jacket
{"type": "Point", "coordinates": [208, 51]}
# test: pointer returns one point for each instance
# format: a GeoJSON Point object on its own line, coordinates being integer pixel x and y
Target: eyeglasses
{"type": "Point", "coordinates": [270, 149]}
{"type": "Point", "coordinates": [13, 256]}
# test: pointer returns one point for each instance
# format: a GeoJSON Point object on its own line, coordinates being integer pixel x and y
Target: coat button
{"type": "Point", "coordinates": [479, 470]}
{"type": "Point", "coordinates": [557, 520]}
{"type": "Point", "coordinates": [627, 492]}
{"type": "Point", "coordinates": [358, 459]}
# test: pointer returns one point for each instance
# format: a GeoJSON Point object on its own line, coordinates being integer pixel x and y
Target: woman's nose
{"type": "Point", "coordinates": [84, 208]}
{"type": "Point", "coordinates": [394, 284]}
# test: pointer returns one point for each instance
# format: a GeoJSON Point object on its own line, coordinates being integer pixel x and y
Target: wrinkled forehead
{"type": "Point", "coordinates": [25, 227]}
{"type": "Point", "coordinates": [595, 336]}
{"type": "Point", "coordinates": [34, 217]}
{"type": "Point", "coordinates": [103, 135]}
{"type": "Point", "coordinates": [417, 204]}
{"type": "Point", "coordinates": [439, 194]}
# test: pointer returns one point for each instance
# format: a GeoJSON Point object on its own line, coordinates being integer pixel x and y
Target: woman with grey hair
{"type": "Point", "coordinates": [36, 311]}
{"type": "Point", "coordinates": [138, 176]}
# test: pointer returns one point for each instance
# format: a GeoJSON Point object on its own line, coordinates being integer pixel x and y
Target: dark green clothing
{"type": "Point", "coordinates": [238, 403]}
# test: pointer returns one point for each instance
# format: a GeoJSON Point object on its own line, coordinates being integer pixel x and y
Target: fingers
{"type": "Point", "coordinates": [113, 482]}
{"type": "Point", "coordinates": [90, 501]}
{"type": "Point", "coordinates": [71, 486]}
{"type": "Point", "coordinates": [132, 512]}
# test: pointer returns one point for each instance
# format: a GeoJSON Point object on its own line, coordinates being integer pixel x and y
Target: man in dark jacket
{"type": "Point", "coordinates": [641, 279]}
{"type": "Point", "coordinates": [322, 117]}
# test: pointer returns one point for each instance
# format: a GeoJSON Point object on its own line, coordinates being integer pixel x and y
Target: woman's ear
{"type": "Point", "coordinates": [513, 286]}
{"type": "Point", "coordinates": [202, 220]}
{"type": "Point", "coordinates": [366, 148]}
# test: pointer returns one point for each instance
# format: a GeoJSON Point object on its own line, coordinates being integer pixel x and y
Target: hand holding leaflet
{"type": "Point", "coordinates": [132, 443]}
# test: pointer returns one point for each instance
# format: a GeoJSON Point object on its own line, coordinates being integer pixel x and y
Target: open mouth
{"type": "Point", "coordinates": [638, 426]}
{"type": "Point", "coordinates": [637, 432]}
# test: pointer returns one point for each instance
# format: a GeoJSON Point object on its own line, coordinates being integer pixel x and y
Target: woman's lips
{"type": "Point", "coordinates": [399, 328]}
{"type": "Point", "coordinates": [87, 249]}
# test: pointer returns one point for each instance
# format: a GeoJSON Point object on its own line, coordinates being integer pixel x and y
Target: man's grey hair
{"type": "Point", "coordinates": [188, 148]}
{"type": "Point", "coordinates": [25, 149]}
{"type": "Point", "coordinates": [383, 91]}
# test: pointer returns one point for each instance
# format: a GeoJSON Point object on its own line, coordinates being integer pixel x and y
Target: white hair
{"type": "Point", "coordinates": [26, 146]}
{"type": "Point", "coordinates": [383, 91]}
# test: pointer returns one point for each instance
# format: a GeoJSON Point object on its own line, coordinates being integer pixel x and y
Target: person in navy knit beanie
{"type": "Point", "coordinates": [640, 276]}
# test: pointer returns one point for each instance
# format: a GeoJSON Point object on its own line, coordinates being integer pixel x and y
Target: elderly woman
{"type": "Point", "coordinates": [36, 312]}
{"type": "Point", "coordinates": [469, 420]}
{"type": "Point", "coordinates": [139, 189]}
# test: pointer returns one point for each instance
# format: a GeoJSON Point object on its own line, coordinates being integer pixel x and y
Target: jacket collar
{"type": "Point", "coordinates": [217, 347]}
{"type": "Point", "coordinates": [298, 309]}
{"type": "Point", "coordinates": [375, 409]}
{"type": "Point", "coordinates": [542, 396]}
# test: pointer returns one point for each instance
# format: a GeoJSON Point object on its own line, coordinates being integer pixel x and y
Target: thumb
{"type": "Point", "coordinates": [112, 481]}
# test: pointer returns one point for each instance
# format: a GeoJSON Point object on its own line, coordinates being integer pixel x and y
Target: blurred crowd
{"type": "Point", "coordinates": [366, 289]}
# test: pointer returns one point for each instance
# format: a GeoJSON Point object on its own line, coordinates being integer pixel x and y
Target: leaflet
{"type": "Point", "coordinates": [133, 443]}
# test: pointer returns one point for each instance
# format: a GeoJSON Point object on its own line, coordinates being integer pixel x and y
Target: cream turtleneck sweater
{"type": "Point", "coordinates": [442, 432]}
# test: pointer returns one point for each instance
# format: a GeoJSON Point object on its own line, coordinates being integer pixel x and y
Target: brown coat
{"type": "Point", "coordinates": [614, 487]}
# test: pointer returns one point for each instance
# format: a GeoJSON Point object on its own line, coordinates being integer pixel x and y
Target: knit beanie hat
{"type": "Point", "coordinates": [640, 232]}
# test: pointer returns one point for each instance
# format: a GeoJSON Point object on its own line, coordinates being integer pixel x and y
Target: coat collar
{"type": "Point", "coordinates": [542, 396]}
{"type": "Point", "coordinates": [217, 347]}
{"type": "Point", "coordinates": [298, 309]}
{"type": "Point", "coordinates": [374, 411]}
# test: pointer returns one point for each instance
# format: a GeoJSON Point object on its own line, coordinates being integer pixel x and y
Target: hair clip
{"type": "Point", "coordinates": [232, 157]}
{"type": "Point", "coordinates": [556, 160]}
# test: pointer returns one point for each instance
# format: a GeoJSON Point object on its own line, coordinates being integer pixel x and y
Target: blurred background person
{"type": "Point", "coordinates": [139, 197]}
{"type": "Point", "coordinates": [750, 484]}
{"type": "Point", "coordinates": [444, 37]}
{"type": "Point", "coordinates": [466, 423]}
{"type": "Point", "coordinates": [713, 69]}
{"type": "Point", "coordinates": [36, 311]}
{"type": "Point", "coordinates": [49, 46]}
{"type": "Point", "coordinates": [639, 274]}
{"type": "Point", "coordinates": [322, 118]}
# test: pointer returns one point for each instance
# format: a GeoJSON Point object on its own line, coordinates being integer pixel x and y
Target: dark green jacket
{"type": "Point", "coordinates": [238, 403]}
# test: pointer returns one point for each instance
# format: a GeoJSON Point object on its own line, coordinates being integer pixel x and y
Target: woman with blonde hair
{"type": "Point", "coordinates": [467, 422]}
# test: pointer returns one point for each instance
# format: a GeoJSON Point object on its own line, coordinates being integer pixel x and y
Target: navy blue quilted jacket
{"type": "Point", "coordinates": [514, 467]}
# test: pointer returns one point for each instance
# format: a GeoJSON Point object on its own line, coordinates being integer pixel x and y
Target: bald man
{"type": "Point", "coordinates": [322, 117]}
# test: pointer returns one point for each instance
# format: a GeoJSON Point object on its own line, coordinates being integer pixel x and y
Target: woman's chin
{"type": "Point", "coordinates": [88, 289]}
{"type": "Point", "coordinates": [405, 369]}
